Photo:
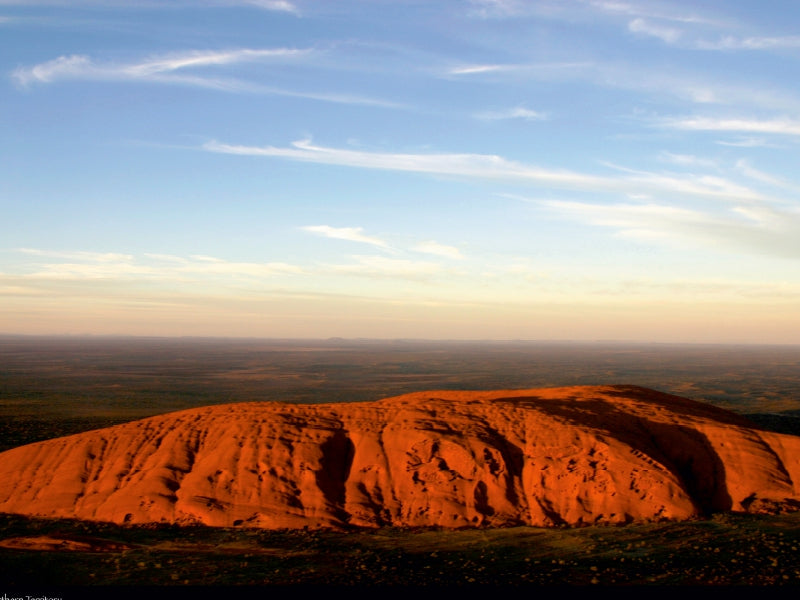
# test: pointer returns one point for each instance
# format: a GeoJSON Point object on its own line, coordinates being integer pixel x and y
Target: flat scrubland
{"type": "Point", "coordinates": [58, 386]}
{"type": "Point", "coordinates": [740, 550]}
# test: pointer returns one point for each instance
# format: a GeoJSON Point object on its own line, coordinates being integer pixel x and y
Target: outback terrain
{"type": "Point", "coordinates": [51, 388]}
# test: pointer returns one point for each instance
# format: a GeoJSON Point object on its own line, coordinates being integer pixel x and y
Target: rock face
{"type": "Point", "coordinates": [565, 456]}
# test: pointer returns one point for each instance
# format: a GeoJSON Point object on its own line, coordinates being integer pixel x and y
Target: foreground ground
{"type": "Point", "coordinates": [724, 550]}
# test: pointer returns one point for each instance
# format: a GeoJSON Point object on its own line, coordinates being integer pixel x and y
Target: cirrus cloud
{"type": "Point", "coordinates": [667, 34]}
{"type": "Point", "coordinates": [435, 248]}
{"type": "Point", "coordinates": [81, 265]}
{"type": "Point", "coordinates": [186, 69]}
{"type": "Point", "coordinates": [518, 112]}
{"type": "Point", "coordinates": [783, 126]}
{"type": "Point", "coordinates": [493, 167]}
{"type": "Point", "coordinates": [351, 234]}
{"type": "Point", "coordinates": [760, 229]}
{"type": "Point", "coordinates": [82, 67]}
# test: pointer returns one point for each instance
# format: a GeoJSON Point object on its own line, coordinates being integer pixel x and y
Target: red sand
{"type": "Point", "coordinates": [576, 455]}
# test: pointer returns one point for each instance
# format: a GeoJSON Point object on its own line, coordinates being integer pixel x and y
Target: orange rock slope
{"type": "Point", "coordinates": [577, 455]}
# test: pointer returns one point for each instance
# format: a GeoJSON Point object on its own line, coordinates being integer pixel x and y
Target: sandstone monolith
{"type": "Point", "coordinates": [542, 457]}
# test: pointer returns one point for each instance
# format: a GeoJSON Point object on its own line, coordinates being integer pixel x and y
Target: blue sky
{"type": "Point", "coordinates": [486, 169]}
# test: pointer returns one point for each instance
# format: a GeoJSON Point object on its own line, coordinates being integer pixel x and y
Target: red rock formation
{"type": "Point", "coordinates": [578, 455]}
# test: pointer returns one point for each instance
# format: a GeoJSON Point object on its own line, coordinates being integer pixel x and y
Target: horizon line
{"type": "Point", "coordinates": [341, 339]}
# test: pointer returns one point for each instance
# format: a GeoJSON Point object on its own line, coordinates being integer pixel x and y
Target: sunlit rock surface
{"type": "Point", "coordinates": [543, 457]}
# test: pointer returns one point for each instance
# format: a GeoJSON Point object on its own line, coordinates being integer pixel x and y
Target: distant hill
{"type": "Point", "coordinates": [544, 457]}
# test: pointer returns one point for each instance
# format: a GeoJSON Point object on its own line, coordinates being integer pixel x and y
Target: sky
{"type": "Point", "coordinates": [476, 169]}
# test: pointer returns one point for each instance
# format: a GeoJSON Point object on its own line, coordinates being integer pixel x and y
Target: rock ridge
{"type": "Point", "coordinates": [543, 457]}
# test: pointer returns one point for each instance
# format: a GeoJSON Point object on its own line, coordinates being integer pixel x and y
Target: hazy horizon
{"type": "Point", "coordinates": [392, 340]}
{"type": "Point", "coordinates": [490, 170]}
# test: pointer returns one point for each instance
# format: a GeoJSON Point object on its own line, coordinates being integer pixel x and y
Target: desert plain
{"type": "Point", "coordinates": [53, 388]}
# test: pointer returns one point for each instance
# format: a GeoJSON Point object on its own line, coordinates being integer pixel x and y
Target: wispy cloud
{"type": "Point", "coordinates": [84, 265]}
{"type": "Point", "coordinates": [276, 5]}
{"type": "Point", "coordinates": [518, 112]}
{"type": "Point", "coordinates": [747, 142]}
{"type": "Point", "coordinates": [63, 67]}
{"type": "Point", "coordinates": [772, 126]}
{"type": "Point", "coordinates": [271, 5]}
{"type": "Point", "coordinates": [115, 266]}
{"type": "Point", "coordinates": [472, 69]}
{"type": "Point", "coordinates": [647, 10]}
{"type": "Point", "coordinates": [750, 43]}
{"type": "Point", "coordinates": [95, 257]}
{"type": "Point", "coordinates": [746, 169]}
{"type": "Point", "coordinates": [676, 24]}
{"type": "Point", "coordinates": [752, 228]}
{"type": "Point", "coordinates": [541, 69]}
{"type": "Point", "coordinates": [175, 69]}
{"type": "Point", "coordinates": [688, 160]}
{"type": "Point", "coordinates": [667, 34]}
{"type": "Point", "coordinates": [659, 83]}
{"type": "Point", "coordinates": [83, 67]}
{"type": "Point", "coordinates": [496, 8]}
{"type": "Point", "coordinates": [197, 58]}
{"type": "Point", "coordinates": [468, 165]}
{"type": "Point", "coordinates": [384, 267]}
{"type": "Point", "coordinates": [503, 9]}
{"type": "Point", "coordinates": [185, 68]}
{"type": "Point", "coordinates": [356, 234]}
{"type": "Point", "coordinates": [210, 266]}
{"type": "Point", "coordinates": [437, 249]}
{"type": "Point", "coordinates": [154, 273]}
{"type": "Point", "coordinates": [678, 37]}
{"type": "Point", "coordinates": [487, 166]}
{"type": "Point", "coordinates": [350, 234]}
{"type": "Point", "coordinates": [693, 31]}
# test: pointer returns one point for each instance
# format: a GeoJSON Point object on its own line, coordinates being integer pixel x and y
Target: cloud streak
{"type": "Point", "coordinates": [536, 69]}
{"type": "Point", "coordinates": [181, 68]}
{"type": "Point", "coordinates": [82, 67]}
{"type": "Point", "coordinates": [762, 229]}
{"type": "Point", "coordinates": [270, 5]}
{"type": "Point", "coordinates": [493, 167]}
{"type": "Point", "coordinates": [384, 267]}
{"type": "Point", "coordinates": [669, 35]}
{"type": "Point", "coordinates": [356, 234]}
{"type": "Point", "coordinates": [518, 112]}
{"type": "Point", "coordinates": [88, 270]}
{"type": "Point", "coordinates": [437, 249]}
{"type": "Point", "coordinates": [350, 234]}
{"type": "Point", "coordinates": [773, 126]}
{"type": "Point", "coordinates": [111, 266]}
{"type": "Point", "coordinates": [659, 83]}
{"type": "Point", "coordinates": [750, 43]}
{"type": "Point", "coordinates": [196, 58]}
{"type": "Point", "coordinates": [275, 5]}
{"type": "Point", "coordinates": [648, 11]}
{"type": "Point", "coordinates": [660, 23]}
